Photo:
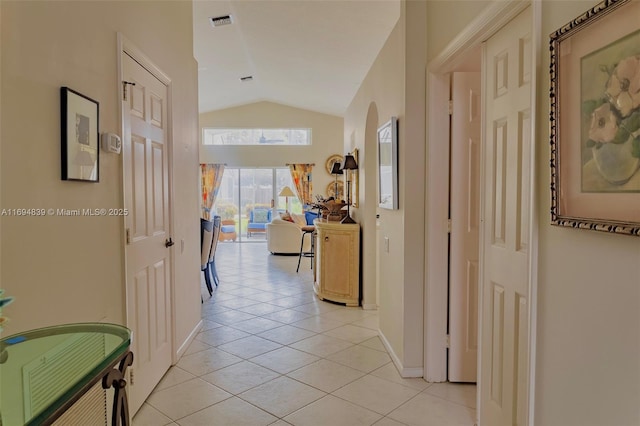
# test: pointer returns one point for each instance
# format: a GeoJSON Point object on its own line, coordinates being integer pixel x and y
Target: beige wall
{"type": "Point", "coordinates": [396, 86]}
{"type": "Point", "coordinates": [446, 19]}
{"type": "Point", "coordinates": [1, 286]}
{"type": "Point", "coordinates": [588, 314]}
{"type": "Point", "coordinates": [70, 269]}
{"type": "Point", "coordinates": [588, 358]}
{"type": "Point", "coordinates": [326, 136]}
{"type": "Point", "coordinates": [381, 92]}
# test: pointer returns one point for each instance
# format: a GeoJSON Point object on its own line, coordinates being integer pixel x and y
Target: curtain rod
{"type": "Point", "coordinates": [292, 164]}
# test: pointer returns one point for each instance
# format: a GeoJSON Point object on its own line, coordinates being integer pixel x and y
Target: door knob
{"type": "Point", "coordinates": [169, 242]}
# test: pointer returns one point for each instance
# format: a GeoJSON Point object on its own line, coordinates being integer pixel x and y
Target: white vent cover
{"type": "Point", "coordinates": [219, 21]}
{"type": "Point", "coordinates": [48, 376]}
{"type": "Point", "coordinates": [90, 409]}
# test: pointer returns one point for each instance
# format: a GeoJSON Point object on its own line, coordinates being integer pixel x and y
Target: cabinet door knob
{"type": "Point", "coordinates": [326, 238]}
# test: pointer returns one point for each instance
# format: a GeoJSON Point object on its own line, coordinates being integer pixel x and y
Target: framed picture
{"type": "Point", "coordinates": [388, 164]}
{"type": "Point", "coordinates": [595, 120]}
{"type": "Point", "coordinates": [79, 123]}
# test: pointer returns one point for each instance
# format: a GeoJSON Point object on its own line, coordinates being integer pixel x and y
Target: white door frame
{"type": "Point", "coordinates": [128, 48]}
{"type": "Point", "coordinates": [486, 24]}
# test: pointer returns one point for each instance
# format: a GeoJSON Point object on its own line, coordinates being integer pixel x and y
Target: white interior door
{"type": "Point", "coordinates": [506, 246]}
{"type": "Point", "coordinates": [148, 261]}
{"type": "Point", "coordinates": [465, 221]}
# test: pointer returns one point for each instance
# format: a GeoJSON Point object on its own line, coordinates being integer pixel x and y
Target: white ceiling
{"type": "Point", "coordinates": [310, 54]}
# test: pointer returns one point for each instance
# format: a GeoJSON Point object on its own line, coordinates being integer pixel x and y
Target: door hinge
{"type": "Point", "coordinates": [448, 341]}
{"type": "Point", "coordinates": [124, 89]}
{"type": "Point", "coordinates": [450, 106]}
{"type": "Point", "coordinates": [128, 231]}
{"type": "Point", "coordinates": [449, 226]}
{"type": "Point", "coordinates": [131, 376]}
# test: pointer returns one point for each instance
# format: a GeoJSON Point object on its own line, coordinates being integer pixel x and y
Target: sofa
{"type": "Point", "coordinates": [283, 236]}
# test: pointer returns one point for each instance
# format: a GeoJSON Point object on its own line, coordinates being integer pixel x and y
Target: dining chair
{"type": "Point", "coordinates": [206, 240]}
{"type": "Point", "coordinates": [217, 223]}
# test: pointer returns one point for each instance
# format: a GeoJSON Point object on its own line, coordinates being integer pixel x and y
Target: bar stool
{"type": "Point", "coordinates": [311, 231]}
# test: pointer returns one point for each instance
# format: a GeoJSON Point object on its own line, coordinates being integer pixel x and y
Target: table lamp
{"type": "Point", "coordinates": [286, 192]}
{"type": "Point", "coordinates": [349, 164]}
{"type": "Point", "coordinates": [336, 170]}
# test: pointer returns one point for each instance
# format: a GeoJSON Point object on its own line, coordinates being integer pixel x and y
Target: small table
{"type": "Point", "coordinates": [45, 371]}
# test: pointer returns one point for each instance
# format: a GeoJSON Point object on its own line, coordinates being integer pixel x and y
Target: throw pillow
{"type": "Point", "coordinates": [286, 216]}
{"type": "Point", "coordinates": [299, 219]}
{"type": "Point", "coordinates": [310, 217]}
{"type": "Point", "coordinates": [260, 216]}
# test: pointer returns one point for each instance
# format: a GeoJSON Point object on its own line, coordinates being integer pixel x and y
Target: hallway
{"type": "Point", "coordinates": [270, 352]}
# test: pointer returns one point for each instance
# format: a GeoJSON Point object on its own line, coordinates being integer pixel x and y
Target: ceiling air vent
{"type": "Point", "coordinates": [219, 21]}
{"type": "Point", "coordinates": [247, 78]}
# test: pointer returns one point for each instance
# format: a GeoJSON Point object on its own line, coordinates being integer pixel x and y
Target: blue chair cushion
{"type": "Point", "coordinates": [228, 228]}
{"type": "Point", "coordinates": [310, 217]}
{"type": "Point", "coordinates": [260, 216]}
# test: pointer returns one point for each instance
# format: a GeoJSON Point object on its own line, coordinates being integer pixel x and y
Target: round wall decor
{"type": "Point", "coordinates": [333, 159]}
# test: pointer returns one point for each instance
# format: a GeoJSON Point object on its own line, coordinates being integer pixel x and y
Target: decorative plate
{"type": "Point", "coordinates": [331, 190]}
{"type": "Point", "coordinates": [332, 159]}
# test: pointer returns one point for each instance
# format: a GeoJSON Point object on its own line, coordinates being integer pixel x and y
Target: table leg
{"type": "Point", "coordinates": [115, 379]}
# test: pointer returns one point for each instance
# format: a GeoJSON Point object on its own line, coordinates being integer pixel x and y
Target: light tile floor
{"type": "Point", "coordinates": [271, 353]}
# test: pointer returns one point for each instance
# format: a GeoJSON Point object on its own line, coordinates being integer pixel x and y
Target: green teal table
{"type": "Point", "coordinates": [43, 372]}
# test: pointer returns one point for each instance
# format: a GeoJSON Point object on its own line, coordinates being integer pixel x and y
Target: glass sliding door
{"type": "Point", "coordinates": [283, 178]}
{"type": "Point", "coordinates": [228, 200]}
{"type": "Point", "coordinates": [249, 197]}
{"type": "Point", "coordinates": [256, 193]}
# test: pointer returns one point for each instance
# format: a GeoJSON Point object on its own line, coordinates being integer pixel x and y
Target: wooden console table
{"type": "Point", "coordinates": [337, 257]}
{"type": "Point", "coordinates": [44, 372]}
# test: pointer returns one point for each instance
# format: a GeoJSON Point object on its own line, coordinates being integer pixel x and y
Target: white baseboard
{"type": "Point", "coordinates": [369, 306]}
{"type": "Point", "coordinates": [185, 345]}
{"type": "Point", "coordinates": [412, 372]}
{"type": "Point", "coordinates": [404, 372]}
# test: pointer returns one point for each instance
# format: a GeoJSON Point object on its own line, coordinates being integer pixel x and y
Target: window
{"type": "Point", "coordinates": [243, 189]}
{"type": "Point", "coordinates": [256, 136]}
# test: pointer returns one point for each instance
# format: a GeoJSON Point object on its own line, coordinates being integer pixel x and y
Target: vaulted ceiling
{"type": "Point", "coordinates": [310, 54]}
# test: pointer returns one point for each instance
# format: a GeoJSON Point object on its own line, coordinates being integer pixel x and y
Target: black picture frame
{"type": "Point", "coordinates": [80, 147]}
{"type": "Point", "coordinates": [388, 165]}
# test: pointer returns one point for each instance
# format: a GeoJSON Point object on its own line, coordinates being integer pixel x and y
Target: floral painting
{"type": "Point", "coordinates": [610, 128]}
{"type": "Point", "coordinates": [594, 120]}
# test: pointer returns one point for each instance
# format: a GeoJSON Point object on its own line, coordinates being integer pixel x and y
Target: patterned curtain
{"type": "Point", "coordinates": [301, 175]}
{"type": "Point", "coordinates": [211, 175]}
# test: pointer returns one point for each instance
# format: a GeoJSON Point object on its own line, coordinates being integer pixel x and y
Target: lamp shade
{"type": "Point", "coordinates": [286, 192]}
{"type": "Point", "coordinates": [350, 163]}
{"type": "Point", "coordinates": [336, 170]}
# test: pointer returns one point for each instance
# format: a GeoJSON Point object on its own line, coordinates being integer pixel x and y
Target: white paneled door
{"type": "Point", "coordinates": [507, 223]}
{"type": "Point", "coordinates": [465, 222]}
{"type": "Point", "coordinates": [148, 254]}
